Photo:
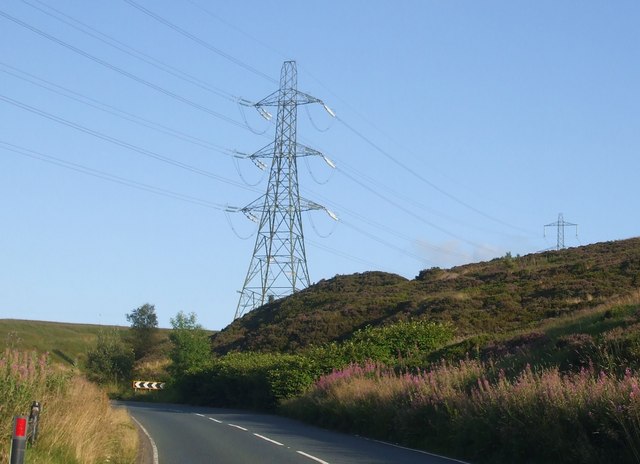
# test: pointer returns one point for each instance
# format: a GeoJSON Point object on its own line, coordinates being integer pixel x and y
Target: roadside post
{"type": "Point", "coordinates": [19, 440]}
{"type": "Point", "coordinates": [34, 417]}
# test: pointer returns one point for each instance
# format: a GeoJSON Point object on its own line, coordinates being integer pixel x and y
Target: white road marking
{"type": "Point", "coordinates": [238, 427]}
{"type": "Point", "coordinates": [201, 415]}
{"type": "Point", "coordinates": [215, 420]}
{"type": "Point", "coordinates": [312, 457]}
{"type": "Point", "coordinates": [268, 439]}
{"type": "Point", "coordinates": [153, 443]}
{"type": "Point", "coordinates": [416, 450]}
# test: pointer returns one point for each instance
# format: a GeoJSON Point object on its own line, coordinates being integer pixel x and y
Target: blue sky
{"type": "Point", "coordinates": [463, 128]}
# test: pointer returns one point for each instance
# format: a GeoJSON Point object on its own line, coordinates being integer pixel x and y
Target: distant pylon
{"type": "Point", "coordinates": [279, 263]}
{"type": "Point", "coordinates": [560, 224]}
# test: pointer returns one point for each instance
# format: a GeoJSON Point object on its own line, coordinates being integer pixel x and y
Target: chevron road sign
{"type": "Point", "coordinates": [147, 385]}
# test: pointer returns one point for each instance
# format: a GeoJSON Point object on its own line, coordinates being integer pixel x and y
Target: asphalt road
{"type": "Point", "coordinates": [195, 435]}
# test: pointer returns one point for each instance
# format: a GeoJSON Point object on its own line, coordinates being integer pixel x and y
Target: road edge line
{"type": "Point", "coordinates": [416, 450]}
{"type": "Point", "coordinates": [154, 448]}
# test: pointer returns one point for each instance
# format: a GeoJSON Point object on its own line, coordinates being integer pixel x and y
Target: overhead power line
{"type": "Point", "coordinates": [411, 200]}
{"type": "Point", "coordinates": [409, 212]}
{"type": "Point", "coordinates": [109, 177]}
{"type": "Point", "coordinates": [421, 178]}
{"type": "Point", "coordinates": [110, 109]}
{"type": "Point", "coordinates": [343, 254]}
{"type": "Point", "coordinates": [415, 256]}
{"type": "Point", "coordinates": [341, 210]}
{"type": "Point", "coordinates": [199, 41]}
{"type": "Point", "coordinates": [123, 47]}
{"type": "Point", "coordinates": [121, 143]}
{"type": "Point", "coordinates": [123, 72]}
{"type": "Point", "coordinates": [47, 158]}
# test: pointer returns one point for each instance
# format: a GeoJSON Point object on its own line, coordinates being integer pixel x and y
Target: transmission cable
{"type": "Point", "coordinates": [121, 46]}
{"type": "Point", "coordinates": [423, 179]}
{"type": "Point", "coordinates": [313, 226]}
{"type": "Point", "coordinates": [110, 109]}
{"type": "Point", "coordinates": [313, 123]}
{"type": "Point", "coordinates": [358, 133]}
{"type": "Point", "coordinates": [241, 237]}
{"type": "Point", "coordinates": [383, 227]}
{"type": "Point", "coordinates": [236, 163]}
{"type": "Point", "coordinates": [121, 143]}
{"type": "Point", "coordinates": [199, 41]}
{"type": "Point", "coordinates": [387, 244]}
{"type": "Point", "coordinates": [123, 72]}
{"type": "Point", "coordinates": [379, 185]}
{"type": "Point", "coordinates": [342, 254]}
{"type": "Point", "coordinates": [109, 177]}
{"type": "Point", "coordinates": [411, 213]}
{"type": "Point", "coordinates": [246, 121]}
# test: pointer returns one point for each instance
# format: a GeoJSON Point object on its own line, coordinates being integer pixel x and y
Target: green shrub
{"type": "Point", "coordinates": [190, 350]}
{"type": "Point", "coordinates": [111, 360]}
{"type": "Point", "coordinates": [248, 380]}
{"type": "Point", "coordinates": [399, 341]}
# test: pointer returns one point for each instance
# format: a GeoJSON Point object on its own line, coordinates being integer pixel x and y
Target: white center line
{"type": "Point", "coordinates": [238, 427]}
{"type": "Point", "coordinates": [215, 420]}
{"type": "Point", "coordinates": [312, 457]}
{"type": "Point", "coordinates": [201, 415]}
{"type": "Point", "coordinates": [268, 439]}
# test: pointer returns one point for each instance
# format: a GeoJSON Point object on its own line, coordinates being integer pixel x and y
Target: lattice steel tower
{"type": "Point", "coordinates": [561, 224]}
{"type": "Point", "coordinates": [279, 263]}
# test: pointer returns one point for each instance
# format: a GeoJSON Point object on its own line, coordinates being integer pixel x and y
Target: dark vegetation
{"type": "Point", "coordinates": [498, 296]}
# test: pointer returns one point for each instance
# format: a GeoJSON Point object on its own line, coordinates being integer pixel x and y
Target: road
{"type": "Point", "coordinates": [194, 435]}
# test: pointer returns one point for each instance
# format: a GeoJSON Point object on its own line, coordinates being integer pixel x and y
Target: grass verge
{"type": "Point", "coordinates": [77, 423]}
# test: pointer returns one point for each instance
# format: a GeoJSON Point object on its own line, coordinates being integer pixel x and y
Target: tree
{"type": "Point", "coordinates": [144, 326]}
{"type": "Point", "coordinates": [111, 360]}
{"type": "Point", "coordinates": [191, 350]}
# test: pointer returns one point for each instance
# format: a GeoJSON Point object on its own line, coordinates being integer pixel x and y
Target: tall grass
{"type": "Point", "coordinates": [78, 425]}
{"type": "Point", "coordinates": [472, 410]}
{"type": "Point", "coordinates": [24, 377]}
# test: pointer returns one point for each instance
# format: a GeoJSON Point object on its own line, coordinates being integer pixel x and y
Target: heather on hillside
{"type": "Point", "coordinates": [497, 296]}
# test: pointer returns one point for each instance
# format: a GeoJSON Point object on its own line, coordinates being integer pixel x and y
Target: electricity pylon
{"type": "Point", "coordinates": [279, 263]}
{"type": "Point", "coordinates": [560, 224]}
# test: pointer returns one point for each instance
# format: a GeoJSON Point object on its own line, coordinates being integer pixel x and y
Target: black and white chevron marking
{"type": "Point", "coordinates": [146, 385]}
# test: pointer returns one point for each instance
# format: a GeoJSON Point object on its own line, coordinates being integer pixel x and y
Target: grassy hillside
{"type": "Point", "coordinates": [497, 296]}
{"type": "Point", "coordinates": [67, 343]}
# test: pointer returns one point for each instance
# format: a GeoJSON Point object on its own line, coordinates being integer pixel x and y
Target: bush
{"type": "Point", "coordinates": [249, 380]}
{"type": "Point", "coordinates": [400, 342]}
{"type": "Point", "coordinates": [111, 360]}
{"type": "Point", "coordinates": [263, 380]}
{"type": "Point", "coordinates": [191, 350]}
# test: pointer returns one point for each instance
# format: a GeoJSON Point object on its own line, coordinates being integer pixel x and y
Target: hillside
{"type": "Point", "coordinates": [66, 342]}
{"type": "Point", "coordinates": [497, 296]}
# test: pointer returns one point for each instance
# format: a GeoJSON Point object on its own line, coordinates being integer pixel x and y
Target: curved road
{"type": "Point", "coordinates": [194, 435]}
